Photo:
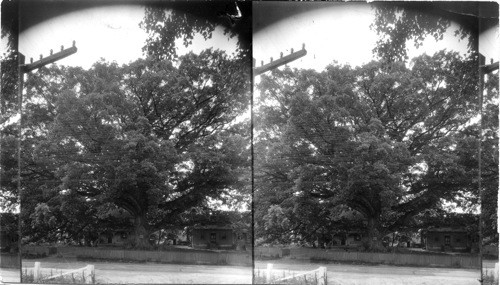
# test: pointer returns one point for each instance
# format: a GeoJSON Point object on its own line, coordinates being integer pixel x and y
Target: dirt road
{"type": "Point", "coordinates": [10, 275]}
{"type": "Point", "coordinates": [122, 273]}
{"type": "Point", "coordinates": [346, 274]}
{"type": "Point", "coordinates": [338, 274]}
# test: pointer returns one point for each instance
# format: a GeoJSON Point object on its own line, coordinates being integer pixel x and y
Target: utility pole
{"type": "Point", "coordinates": [279, 62]}
{"type": "Point", "coordinates": [258, 71]}
{"type": "Point", "coordinates": [53, 57]}
{"type": "Point", "coordinates": [484, 70]}
{"type": "Point", "coordinates": [22, 69]}
{"type": "Point", "coordinates": [25, 68]}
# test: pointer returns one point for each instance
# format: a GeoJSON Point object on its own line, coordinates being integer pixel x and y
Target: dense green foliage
{"type": "Point", "coordinates": [167, 22]}
{"type": "Point", "coordinates": [385, 140]}
{"type": "Point", "coordinates": [390, 146]}
{"type": "Point", "coordinates": [399, 25]}
{"type": "Point", "coordinates": [159, 137]}
{"type": "Point", "coordinates": [148, 137]}
{"type": "Point", "coordinates": [9, 128]}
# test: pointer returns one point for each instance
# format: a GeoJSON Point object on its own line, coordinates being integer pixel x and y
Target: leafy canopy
{"type": "Point", "coordinates": [151, 137]}
{"type": "Point", "coordinates": [381, 139]}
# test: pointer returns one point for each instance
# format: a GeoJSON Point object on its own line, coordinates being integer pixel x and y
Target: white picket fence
{"type": "Point", "coordinates": [492, 273]}
{"type": "Point", "coordinates": [86, 273]}
{"type": "Point", "coordinates": [319, 275]}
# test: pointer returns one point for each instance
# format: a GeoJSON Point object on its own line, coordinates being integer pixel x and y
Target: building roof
{"type": "Point", "coordinates": [127, 230]}
{"type": "Point", "coordinates": [212, 227]}
{"type": "Point", "coordinates": [447, 229]}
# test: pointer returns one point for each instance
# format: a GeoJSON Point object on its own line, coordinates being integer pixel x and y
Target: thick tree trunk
{"type": "Point", "coordinates": [141, 234]}
{"type": "Point", "coordinates": [373, 242]}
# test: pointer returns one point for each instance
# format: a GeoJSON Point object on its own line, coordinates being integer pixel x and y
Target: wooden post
{"type": "Point", "coordinates": [495, 274]}
{"type": "Point", "coordinates": [479, 162]}
{"type": "Point", "coordinates": [90, 274]}
{"type": "Point", "coordinates": [22, 69]}
{"type": "Point", "coordinates": [269, 272]}
{"type": "Point", "coordinates": [20, 73]}
{"type": "Point", "coordinates": [36, 272]}
{"type": "Point", "coordinates": [322, 280]}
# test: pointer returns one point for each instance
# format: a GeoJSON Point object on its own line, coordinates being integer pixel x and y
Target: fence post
{"type": "Point", "coordinates": [91, 275]}
{"type": "Point", "coordinates": [269, 272]}
{"type": "Point", "coordinates": [495, 274]}
{"type": "Point", "coordinates": [322, 280]}
{"type": "Point", "coordinates": [36, 272]}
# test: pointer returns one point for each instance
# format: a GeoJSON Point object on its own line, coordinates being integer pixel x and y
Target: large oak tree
{"type": "Point", "coordinates": [381, 138]}
{"type": "Point", "coordinates": [151, 137]}
{"type": "Point", "coordinates": [158, 138]}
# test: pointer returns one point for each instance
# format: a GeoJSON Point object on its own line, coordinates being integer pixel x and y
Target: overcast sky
{"type": "Point", "coordinates": [110, 32]}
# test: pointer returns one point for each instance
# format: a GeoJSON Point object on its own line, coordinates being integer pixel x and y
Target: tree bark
{"type": "Point", "coordinates": [373, 242]}
{"type": "Point", "coordinates": [141, 233]}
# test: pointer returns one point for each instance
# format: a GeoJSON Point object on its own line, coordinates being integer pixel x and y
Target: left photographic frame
{"type": "Point", "coordinates": [132, 144]}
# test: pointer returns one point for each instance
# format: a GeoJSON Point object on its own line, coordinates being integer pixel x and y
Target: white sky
{"type": "Point", "coordinates": [335, 32]}
{"type": "Point", "coordinates": [110, 32]}
{"type": "Point", "coordinates": [340, 32]}
{"type": "Point", "coordinates": [489, 44]}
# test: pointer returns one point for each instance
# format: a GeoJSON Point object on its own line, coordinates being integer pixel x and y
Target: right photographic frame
{"type": "Point", "coordinates": [375, 142]}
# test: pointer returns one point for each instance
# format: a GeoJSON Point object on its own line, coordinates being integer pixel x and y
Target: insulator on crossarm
{"type": "Point", "coordinates": [74, 43]}
{"type": "Point", "coordinates": [291, 51]}
{"type": "Point", "coordinates": [51, 52]}
{"type": "Point", "coordinates": [62, 47]}
{"type": "Point", "coordinates": [271, 60]}
{"type": "Point", "coordinates": [31, 60]}
{"type": "Point", "coordinates": [281, 54]}
{"type": "Point", "coordinates": [41, 57]}
{"type": "Point", "coordinates": [303, 46]}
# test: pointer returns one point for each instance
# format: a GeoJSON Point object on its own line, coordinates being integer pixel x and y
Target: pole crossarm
{"type": "Point", "coordinates": [279, 62]}
{"type": "Point", "coordinates": [489, 68]}
{"type": "Point", "coordinates": [53, 57]}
